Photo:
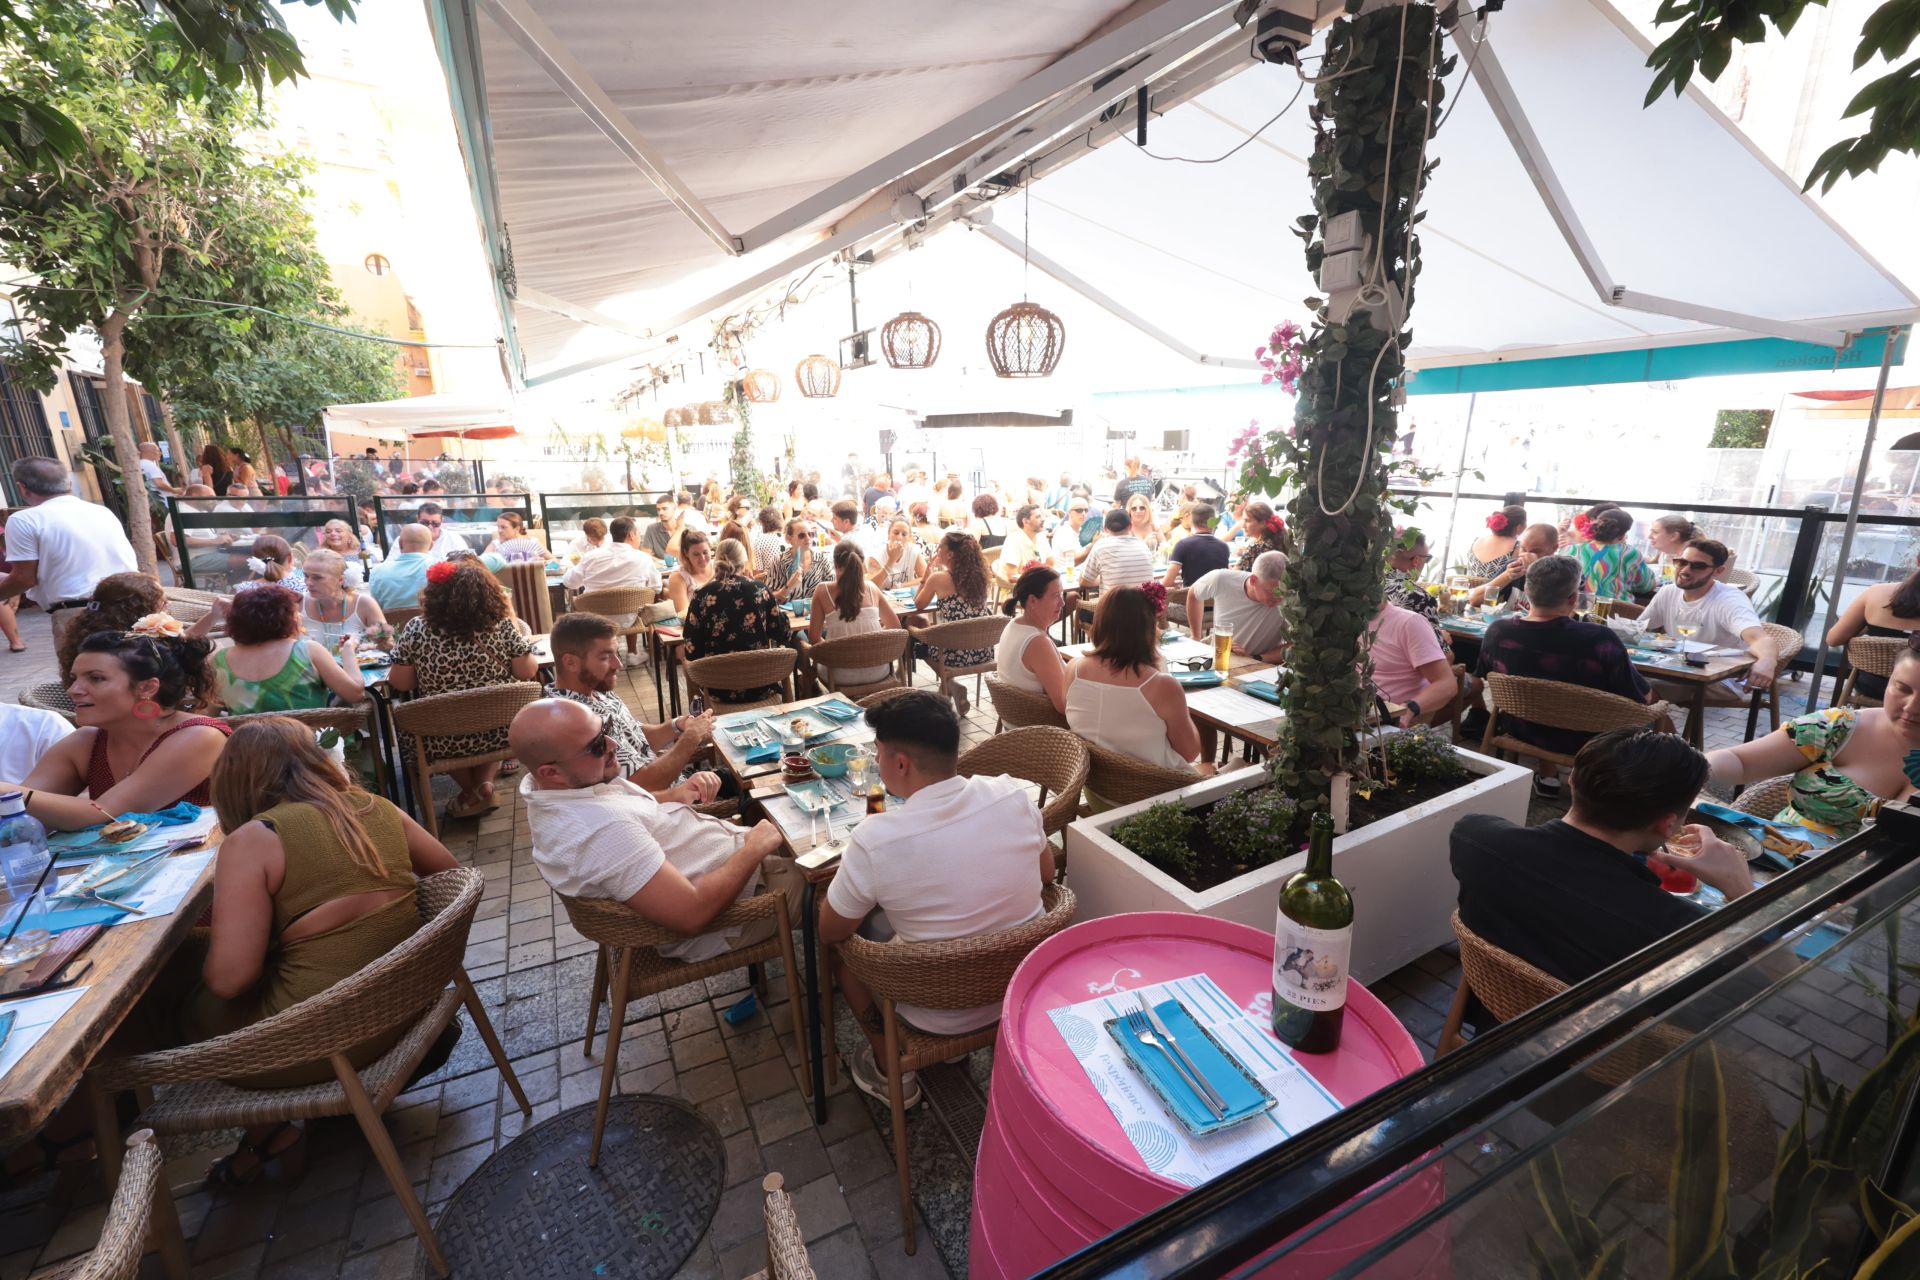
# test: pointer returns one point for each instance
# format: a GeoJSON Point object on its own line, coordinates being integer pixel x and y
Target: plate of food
{"type": "Point", "coordinates": [811, 727]}
{"type": "Point", "coordinates": [117, 871]}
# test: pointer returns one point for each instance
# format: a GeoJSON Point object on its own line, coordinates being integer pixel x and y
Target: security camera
{"type": "Point", "coordinates": [1278, 36]}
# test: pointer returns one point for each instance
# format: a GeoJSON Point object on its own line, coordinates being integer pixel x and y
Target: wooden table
{"type": "Point", "coordinates": [125, 959]}
{"type": "Point", "coordinates": [1250, 720]}
{"type": "Point", "coordinates": [664, 644]}
{"type": "Point", "coordinates": [1694, 682]}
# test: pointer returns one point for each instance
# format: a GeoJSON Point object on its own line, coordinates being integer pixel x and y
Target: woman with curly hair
{"type": "Point", "coordinates": [119, 600]}
{"type": "Point", "coordinates": [988, 525]}
{"type": "Point", "coordinates": [216, 468]}
{"type": "Point", "coordinates": [958, 580]}
{"type": "Point", "coordinates": [271, 666]}
{"type": "Point", "coordinates": [464, 638]}
{"type": "Point", "coordinates": [1493, 550]}
{"type": "Point", "coordinates": [140, 746]}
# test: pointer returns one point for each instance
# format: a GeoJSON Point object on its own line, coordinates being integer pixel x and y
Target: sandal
{"type": "Point", "coordinates": [291, 1158]}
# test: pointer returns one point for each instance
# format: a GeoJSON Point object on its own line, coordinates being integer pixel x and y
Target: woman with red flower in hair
{"type": "Point", "coordinates": [464, 638]}
{"type": "Point", "coordinates": [1493, 550]}
{"type": "Point", "coordinates": [1265, 532]}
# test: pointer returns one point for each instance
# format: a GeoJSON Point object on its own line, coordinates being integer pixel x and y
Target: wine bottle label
{"type": "Point", "coordinates": [1310, 965]}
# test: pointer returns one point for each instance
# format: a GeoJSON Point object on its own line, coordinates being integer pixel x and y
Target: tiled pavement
{"type": "Point", "coordinates": [339, 1219]}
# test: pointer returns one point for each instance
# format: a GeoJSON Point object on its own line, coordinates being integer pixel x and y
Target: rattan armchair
{"type": "Point", "coordinates": [786, 1247]}
{"type": "Point", "coordinates": [888, 647]}
{"type": "Point", "coordinates": [420, 720]}
{"type": "Point", "coordinates": [400, 616]}
{"type": "Point", "coordinates": [1017, 707]}
{"type": "Point", "coordinates": [1053, 759]}
{"type": "Point", "coordinates": [946, 638]}
{"type": "Point", "coordinates": [406, 989]}
{"type": "Point", "coordinates": [751, 669]}
{"type": "Point", "coordinates": [885, 695]}
{"type": "Point", "coordinates": [1554, 704]}
{"type": "Point", "coordinates": [51, 696]}
{"type": "Point", "coordinates": [1114, 779]}
{"type": "Point", "coordinates": [1787, 644]}
{"type": "Point", "coordinates": [614, 603]}
{"type": "Point", "coordinates": [142, 1212]}
{"type": "Point", "coordinates": [1766, 799]}
{"type": "Point", "coordinates": [959, 973]}
{"type": "Point", "coordinates": [1874, 655]}
{"type": "Point", "coordinates": [629, 966]}
{"type": "Point", "coordinates": [190, 606]}
{"type": "Point", "coordinates": [1744, 579]}
{"type": "Point", "coordinates": [525, 582]}
{"type": "Point", "coordinates": [1625, 609]}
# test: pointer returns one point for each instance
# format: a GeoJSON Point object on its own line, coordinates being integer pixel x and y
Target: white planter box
{"type": "Point", "coordinates": [1397, 869]}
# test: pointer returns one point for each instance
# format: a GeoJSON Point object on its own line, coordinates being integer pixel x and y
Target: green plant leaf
{"type": "Point", "coordinates": [1697, 1189]}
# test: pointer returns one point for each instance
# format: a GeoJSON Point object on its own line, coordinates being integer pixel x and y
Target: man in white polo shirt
{"type": "Point", "coordinates": [958, 858]}
{"type": "Point", "coordinates": [61, 545]}
{"type": "Point", "coordinates": [1119, 558]}
{"type": "Point", "coordinates": [597, 835]}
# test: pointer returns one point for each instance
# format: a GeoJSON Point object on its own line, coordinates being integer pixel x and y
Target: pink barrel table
{"type": "Point", "coordinates": [1055, 1172]}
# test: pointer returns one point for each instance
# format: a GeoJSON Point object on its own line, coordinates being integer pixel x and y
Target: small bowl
{"type": "Point", "coordinates": [796, 766]}
{"type": "Point", "coordinates": [831, 761]}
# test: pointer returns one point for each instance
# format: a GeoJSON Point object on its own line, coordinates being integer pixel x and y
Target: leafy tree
{"type": "Point", "coordinates": [1741, 429]}
{"type": "Point", "coordinates": [1705, 32]}
{"type": "Point", "coordinates": [162, 204]}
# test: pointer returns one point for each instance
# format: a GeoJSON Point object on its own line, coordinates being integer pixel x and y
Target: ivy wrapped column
{"type": "Point", "coordinates": [1377, 99]}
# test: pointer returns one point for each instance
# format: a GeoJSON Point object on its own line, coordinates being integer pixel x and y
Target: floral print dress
{"type": "Point", "coordinates": [735, 615]}
{"type": "Point", "coordinates": [954, 609]}
{"type": "Point", "coordinates": [1824, 798]}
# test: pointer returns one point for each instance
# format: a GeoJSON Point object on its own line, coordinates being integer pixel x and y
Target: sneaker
{"type": "Point", "coordinates": [632, 660]}
{"type": "Point", "coordinates": [870, 1080]}
{"type": "Point", "coordinates": [960, 697]}
{"type": "Point", "coordinates": [1547, 788]}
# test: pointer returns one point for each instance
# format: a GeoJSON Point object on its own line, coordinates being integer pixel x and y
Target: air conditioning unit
{"type": "Point", "coordinates": [1175, 442]}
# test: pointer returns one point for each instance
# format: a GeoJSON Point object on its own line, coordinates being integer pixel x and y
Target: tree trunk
{"type": "Point", "coordinates": [126, 453]}
{"type": "Point", "coordinates": [182, 464]}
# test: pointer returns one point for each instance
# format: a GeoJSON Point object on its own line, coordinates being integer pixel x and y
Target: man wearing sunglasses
{"type": "Point", "coordinates": [597, 835]}
{"type": "Point", "coordinates": [445, 540]}
{"type": "Point", "coordinates": [1723, 614]}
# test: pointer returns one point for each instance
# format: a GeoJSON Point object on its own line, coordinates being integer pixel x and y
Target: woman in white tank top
{"type": "Point", "coordinates": [850, 606]}
{"type": "Point", "coordinates": [1117, 696]}
{"type": "Point", "coordinates": [1026, 657]}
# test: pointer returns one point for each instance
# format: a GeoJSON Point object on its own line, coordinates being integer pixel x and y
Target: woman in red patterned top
{"type": "Point", "coordinates": [140, 748]}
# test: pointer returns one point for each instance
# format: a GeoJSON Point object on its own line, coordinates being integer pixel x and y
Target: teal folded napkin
{"type": "Point", "coordinates": [1244, 1098]}
{"type": "Point", "coordinates": [763, 753]}
{"type": "Point", "coordinates": [839, 710]}
{"type": "Point", "coordinates": [1264, 690]}
{"type": "Point", "coordinates": [1199, 679]}
{"type": "Point", "coordinates": [79, 916]}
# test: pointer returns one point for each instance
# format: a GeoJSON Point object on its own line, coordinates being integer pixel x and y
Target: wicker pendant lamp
{"type": "Point", "coordinates": [677, 418]}
{"type": "Point", "coordinates": [817, 377]}
{"type": "Point", "coordinates": [1025, 340]}
{"type": "Point", "coordinates": [715, 413]}
{"type": "Point", "coordinates": [762, 386]}
{"type": "Point", "coordinates": [910, 341]}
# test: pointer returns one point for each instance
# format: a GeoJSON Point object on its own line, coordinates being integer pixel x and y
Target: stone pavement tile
{"type": "Point", "coordinates": [756, 1044]}
{"type": "Point", "coordinates": [81, 1231]}
{"type": "Point", "coordinates": [306, 1228]}
{"type": "Point", "coordinates": [702, 1264]}
{"type": "Point", "coordinates": [580, 1087]}
{"type": "Point", "coordinates": [842, 1256]}
{"type": "Point", "coordinates": [241, 1264]}
{"type": "Point", "coordinates": [743, 1158]}
{"type": "Point", "coordinates": [821, 1210]}
{"type": "Point", "coordinates": [485, 971]}
{"type": "Point", "coordinates": [764, 1080]}
{"type": "Point", "coordinates": [231, 1226]}
{"type": "Point", "coordinates": [397, 1261]}
{"type": "Point", "coordinates": [657, 1078]}
{"type": "Point", "coordinates": [449, 1171]}
{"type": "Point", "coordinates": [740, 1217]}
{"type": "Point", "coordinates": [697, 1049]}
{"type": "Point", "coordinates": [478, 954]}
{"type": "Point", "coordinates": [780, 1117]}
{"type": "Point", "coordinates": [541, 1084]}
{"type": "Point", "coordinates": [642, 1048]}
{"type": "Point", "coordinates": [475, 1124]}
{"type": "Point", "coordinates": [322, 1262]}
{"type": "Point", "coordinates": [469, 1091]}
{"type": "Point", "coordinates": [377, 1225]}
{"type": "Point", "coordinates": [535, 909]}
{"type": "Point", "coordinates": [861, 1159]}
{"type": "Point", "coordinates": [531, 956]}
{"type": "Point", "coordinates": [728, 1113]}
{"type": "Point", "coordinates": [798, 1159]}
{"type": "Point", "coordinates": [846, 1115]}
{"type": "Point", "coordinates": [709, 1081]}
{"type": "Point", "coordinates": [515, 1122]}
{"type": "Point", "coordinates": [876, 1211]}
{"type": "Point", "coordinates": [688, 1021]}
{"type": "Point", "coordinates": [747, 1258]}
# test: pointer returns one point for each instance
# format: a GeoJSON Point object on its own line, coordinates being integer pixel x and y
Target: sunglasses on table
{"type": "Point", "coordinates": [1193, 664]}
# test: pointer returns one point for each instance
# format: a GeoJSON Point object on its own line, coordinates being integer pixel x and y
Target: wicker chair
{"type": "Point", "coordinates": [961, 973]}
{"type": "Point", "coordinates": [1745, 579]}
{"type": "Point", "coordinates": [629, 966]}
{"type": "Point", "coordinates": [748, 670]}
{"type": "Point", "coordinates": [1787, 644]}
{"type": "Point", "coordinates": [1626, 609]}
{"type": "Point", "coordinates": [850, 653]}
{"type": "Point", "coordinates": [1765, 799]}
{"type": "Point", "coordinates": [400, 617]}
{"type": "Point", "coordinates": [786, 1247]}
{"type": "Point", "coordinates": [1874, 655]}
{"type": "Point", "coordinates": [885, 695]}
{"type": "Point", "coordinates": [525, 582]}
{"type": "Point", "coordinates": [1114, 779]}
{"type": "Point", "coordinates": [142, 1211]}
{"type": "Point", "coordinates": [945, 638]}
{"type": "Point", "coordinates": [444, 714]}
{"type": "Point", "coordinates": [1556, 705]}
{"type": "Point", "coordinates": [1053, 759]}
{"type": "Point", "coordinates": [190, 606]}
{"type": "Point", "coordinates": [620, 602]}
{"type": "Point", "coordinates": [1017, 707]}
{"type": "Point", "coordinates": [405, 989]}
{"type": "Point", "coordinates": [51, 696]}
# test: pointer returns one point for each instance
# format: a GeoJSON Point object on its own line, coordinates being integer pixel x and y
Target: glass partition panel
{"type": "Point", "coordinates": [469, 515]}
{"type": "Point", "coordinates": [562, 514]}
{"type": "Point", "coordinates": [217, 535]}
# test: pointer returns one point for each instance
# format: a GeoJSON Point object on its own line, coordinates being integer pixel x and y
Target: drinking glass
{"type": "Point", "coordinates": [1603, 608]}
{"type": "Point", "coordinates": [1687, 631]}
{"type": "Point", "coordinates": [1583, 602]}
{"type": "Point", "coordinates": [1222, 644]}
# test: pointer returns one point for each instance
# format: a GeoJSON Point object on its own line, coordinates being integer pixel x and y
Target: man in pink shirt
{"type": "Point", "coordinates": [1409, 665]}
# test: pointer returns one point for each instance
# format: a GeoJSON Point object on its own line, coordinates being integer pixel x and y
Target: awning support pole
{"type": "Point", "coordinates": [1459, 478]}
{"type": "Point", "coordinates": [1853, 517]}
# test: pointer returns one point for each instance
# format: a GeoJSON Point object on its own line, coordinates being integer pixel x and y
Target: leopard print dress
{"type": "Point", "coordinates": [443, 664]}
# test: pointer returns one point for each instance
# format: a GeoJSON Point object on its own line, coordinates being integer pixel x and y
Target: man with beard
{"type": "Point", "coordinates": [586, 667]}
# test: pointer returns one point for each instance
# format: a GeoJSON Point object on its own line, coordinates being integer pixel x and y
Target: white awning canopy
{"type": "Point", "coordinates": [639, 175]}
{"type": "Point", "coordinates": [423, 418]}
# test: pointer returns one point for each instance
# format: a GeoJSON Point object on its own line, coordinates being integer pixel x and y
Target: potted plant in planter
{"type": "Point", "coordinates": [1334, 462]}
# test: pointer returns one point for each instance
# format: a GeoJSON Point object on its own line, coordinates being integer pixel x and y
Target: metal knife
{"type": "Point", "coordinates": [1160, 1029]}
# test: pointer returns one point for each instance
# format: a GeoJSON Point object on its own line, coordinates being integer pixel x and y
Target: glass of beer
{"type": "Point", "coordinates": [1222, 644]}
{"type": "Point", "coordinates": [1603, 608]}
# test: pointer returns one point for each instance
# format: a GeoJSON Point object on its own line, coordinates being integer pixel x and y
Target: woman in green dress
{"type": "Point", "coordinates": [271, 665]}
{"type": "Point", "coordinates": [1609, 567]}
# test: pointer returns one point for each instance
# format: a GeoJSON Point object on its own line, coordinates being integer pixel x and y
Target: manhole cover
{"type": "Point", "coordinates": [535, 1209]}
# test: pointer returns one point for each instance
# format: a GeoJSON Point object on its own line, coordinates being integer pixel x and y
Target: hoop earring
{"type": "Point", "coordinates": [146, 709]}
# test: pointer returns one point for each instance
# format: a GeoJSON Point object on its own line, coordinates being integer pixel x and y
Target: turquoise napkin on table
{"type": "Point", "coordinates": [1199, 679]}
{"type": "Point", "coordinates": [839, 710]}
{"type": "Point", "coordinates": [1264, 690]}
{"type": "Point", "coordinates": [76, 917]}
{"type": "Point", "coordinates": [1242, 1096]}
{"type": "Point", "coordinates": [763, 753]}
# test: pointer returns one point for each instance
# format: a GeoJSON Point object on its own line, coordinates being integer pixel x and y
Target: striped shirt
{"type": "Point", "coordinates": [1118, 561]}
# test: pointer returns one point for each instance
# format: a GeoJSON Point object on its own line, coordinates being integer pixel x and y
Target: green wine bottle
{"type": "Point", "coordinates": [1312, 944]}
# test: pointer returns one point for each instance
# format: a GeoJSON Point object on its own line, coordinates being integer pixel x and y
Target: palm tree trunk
{"type": "Point", "coordinates": [125, 451]}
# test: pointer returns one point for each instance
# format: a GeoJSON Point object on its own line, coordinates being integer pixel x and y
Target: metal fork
{"type": "Point", "coordinates": [1173, 1042]}
{"type": "Point", "coordinates": [1138, 1027]}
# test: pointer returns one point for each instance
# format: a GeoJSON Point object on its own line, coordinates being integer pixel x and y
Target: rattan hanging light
{"type": "Point", "coordinates": [762, 386]}
{"type": "Point", "coordinates": [677, 418]}
{"type": "Point", "coordinates": [910, 341]}
{"type": "Point", "coordinates": [817, 377]}
{"type": "Point", "coordinates": [1025, 340]}
{"type": "Point", "coordinates": [715, 413]}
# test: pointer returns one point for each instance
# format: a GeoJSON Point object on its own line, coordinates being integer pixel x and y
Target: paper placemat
{"type": "Point", "coordinates": [33, 1017]}
{"type": "Point", "coordinates": [84, 846]}
{"type": "Point", "coordinates": [1158, 1140]}
{"type": "Point", "coordinates": [1230, 706]}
